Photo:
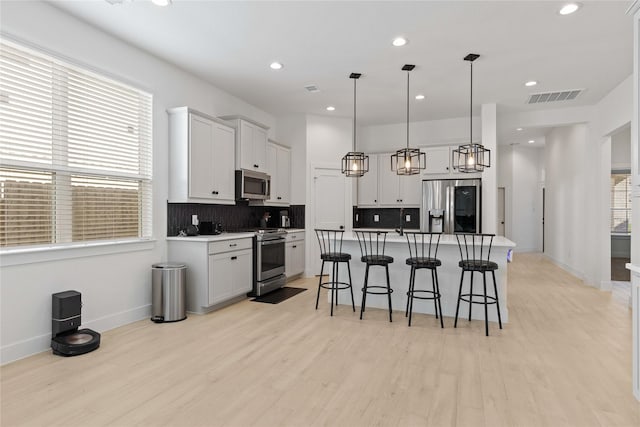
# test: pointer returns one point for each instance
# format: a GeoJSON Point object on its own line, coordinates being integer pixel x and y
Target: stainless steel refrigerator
{"type": "Point", "coordinates": [451, 206]}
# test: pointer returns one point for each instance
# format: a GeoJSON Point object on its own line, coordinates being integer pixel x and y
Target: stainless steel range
{"type": "Point", "coordinates": [269, 261]}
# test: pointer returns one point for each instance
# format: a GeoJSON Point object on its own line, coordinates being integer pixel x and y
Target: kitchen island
{"type": "Point", "coordinates": [448, 278]}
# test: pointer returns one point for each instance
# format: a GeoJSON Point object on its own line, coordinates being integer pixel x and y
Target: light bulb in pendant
{"type": "Point", "coordinates": [354, 167]}
{"type": "Point", "coordinates": [470, 161]}
{"type": "Point", "coordinates": [407, 164]}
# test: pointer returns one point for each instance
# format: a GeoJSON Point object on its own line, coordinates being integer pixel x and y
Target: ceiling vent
{"type": "Point", "coordinates": [563, 95]}
{"type": "Point", "coordinates": [312, 88]}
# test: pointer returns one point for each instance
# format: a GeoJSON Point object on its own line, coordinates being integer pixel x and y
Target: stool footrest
{"type": "Point", "coordinates": [385, 292]}
{"type": "Point", "coordinates": [490, 299]}
{"type": "Point", "coordinates": [436, 295]}
{"type": "Point", "coordinates": [339, 285]}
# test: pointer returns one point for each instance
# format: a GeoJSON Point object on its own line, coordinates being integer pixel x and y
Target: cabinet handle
{"type": "Point", "coordinates": [234, 258]}
{"type": "Point", "coordinates": [256, 166]}
{"type": "Point", "coordinates": [231, 245]}
{"type": "Point", "coordinates": [279, 198]}
{"type": "Point", "coordinates": [375, 201]}
{"type": "Point", "coordinates": [214, 192]}
{"type": "Point", "coordinates": [294, 246]}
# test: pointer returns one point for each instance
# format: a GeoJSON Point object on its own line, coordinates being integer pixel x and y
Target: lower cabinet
{"type": "Point", "coordinates": [294, 254]}
{"type": "Point", "coordinates": [217, 271]}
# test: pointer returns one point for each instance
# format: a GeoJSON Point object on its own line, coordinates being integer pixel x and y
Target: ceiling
{"type": "Point", "coordinates": [231, 45]}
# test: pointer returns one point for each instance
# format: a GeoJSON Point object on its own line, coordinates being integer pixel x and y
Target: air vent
{"type": "Point", "coordinates": [312, 88]}
{"type": "Point", "coordinates": [564, 95]}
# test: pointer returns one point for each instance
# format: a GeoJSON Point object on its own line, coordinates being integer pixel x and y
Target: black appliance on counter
{"type": "Point", "coordinates": [268, 260]}
{"type": "Point", "coordinates": [66, 338]}
{"type": "Point", "coordinates": [208, 228]}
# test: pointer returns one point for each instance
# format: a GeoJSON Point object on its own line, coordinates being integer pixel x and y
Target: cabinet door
{"type": "Point", "coordinates": [201, 175]}
{"type": "Point", "coordinates": [410, 190]}
{"type": "Point", "coordinates": [223, 163]}
{"type": "Point", "coordinates": [246, 145]}
{"type": "Point", "coordinates": [242, 271]}
{"type": "Point", "coordinates": [259, 147]}
{"type": "Point", "coordinates": [388, 182]}
{"type": "Point", "coordinates": [438, 160]}
{"type": "Point", "coordinates": [283, 175]}
{"type": "Point", "coordinates": [368, 184]}
{"type": "Point", "coordinates": [289, 260]}
{"type": "Point", "coordinates": [272, 169]}
{"type": "Point", "coordinates": [220, 277]}
{"type": "Point", "coordinates": [298, 257]}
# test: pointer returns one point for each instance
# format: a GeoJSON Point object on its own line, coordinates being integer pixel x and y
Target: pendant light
{"type": "Point", "coordinates": [471, 157]}
{"type": "Point", "coordinates": [355, 163]}
{"type": "Point", "coordinates": [408, 161]}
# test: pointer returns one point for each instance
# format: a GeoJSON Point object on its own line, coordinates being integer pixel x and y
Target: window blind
{"type": "Point", "coordinates": [75, 153]}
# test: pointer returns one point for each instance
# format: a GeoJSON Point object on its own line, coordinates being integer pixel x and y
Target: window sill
{"type": "Point", "coordinates": [35, 254]}
{"type": "Point", "coordinates": [627, 235]}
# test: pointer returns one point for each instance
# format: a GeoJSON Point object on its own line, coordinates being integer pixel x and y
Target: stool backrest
{"type": "Point", "coordinates": [371, 243]}
{"type": "Point", "coordinates": [423, 245]}
{"type": "Point", "coordinates": [330, 241]}
{"type": "Point", "coordinates": [474, 247]}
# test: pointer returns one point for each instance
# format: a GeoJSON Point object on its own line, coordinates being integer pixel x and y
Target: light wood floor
{"type": "Point", "coordinates": [563, 360]}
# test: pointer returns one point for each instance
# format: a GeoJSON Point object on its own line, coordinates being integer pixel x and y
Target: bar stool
{"type": "Point", "coordinates": [372, 245]}
{"type": "Point", "coordinates": [423, 252]}
{"type": "Point", "coordinates": [475, 251]}
{"type": "Point", "coordinates": [331, 251]}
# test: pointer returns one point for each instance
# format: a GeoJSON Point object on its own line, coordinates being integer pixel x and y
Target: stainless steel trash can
{"type": "Point", "coordinates": [169, 292]}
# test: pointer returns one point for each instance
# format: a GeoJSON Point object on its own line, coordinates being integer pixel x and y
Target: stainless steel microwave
{"type": "Point", "coordinates": [252, 185]}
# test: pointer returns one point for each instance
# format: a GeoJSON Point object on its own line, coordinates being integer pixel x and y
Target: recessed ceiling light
{"type": "Point", "coordinates": [331, 108]}
{"type": "Point", "coordinates": [419, 97]}
{"type": "Point", "coordinates": [161, 2]}
{"type": "Point", "coordinates": [519, 129]}
{"type": "Point", "coordinates": [531, 83]}
{"type": "Point", "coordinates": [399, 41]}
{"type": "Point", "coordinates": [569, 8]}
{"type": "Point", "coordinates": [276, 66]}
{"type": "Point", "coordinates": [531, 141]}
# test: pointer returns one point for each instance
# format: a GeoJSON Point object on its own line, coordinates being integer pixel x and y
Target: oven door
{"type": "Point", "coordinates": [270, 259]}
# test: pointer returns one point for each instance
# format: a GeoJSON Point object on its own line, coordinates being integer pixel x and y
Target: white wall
{"type": "Point", "coordinates": [567, 193]}
{"type": "Point", "coordinates": [115, 288]}
{"type": "Point", "coordinates": [621, 149]}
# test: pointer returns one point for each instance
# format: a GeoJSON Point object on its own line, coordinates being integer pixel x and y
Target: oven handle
{"type": "Point", "coordinates": [271, 242]}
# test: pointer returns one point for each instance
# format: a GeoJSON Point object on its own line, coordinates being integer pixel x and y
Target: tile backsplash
{"type": "Point", "coordinates": [387, 217]}
{"type": "Point", "coordinates": [233, 217]}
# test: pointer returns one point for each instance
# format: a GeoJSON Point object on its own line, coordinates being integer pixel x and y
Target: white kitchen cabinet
{"type": "Point", "coordinates": [294, 254]}
{"type": "Point", "coordinates": [251, 143]}
{"type": "Point", "coordinates": [438, 160]}
{"type": "Point", "coordinates": [397, 190]}
{"type": "Point", "coordinates": [218, 271]}
{"type": "Point", "coordinates": [368, 184]}
{"type": "Point", "coordinates": [201, 158]}
{"type": "Point", "coordinates": [279, 168]}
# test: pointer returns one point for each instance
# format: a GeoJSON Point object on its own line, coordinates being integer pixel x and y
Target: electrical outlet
{"type": "Point", "coordinates": [376, 218]}
{"type": "Point", "coordinates": [407, 218]}
{"type": "Point", "coordinates": [357, 217]}
{"type": "Point", "coordinates": [194, 219]}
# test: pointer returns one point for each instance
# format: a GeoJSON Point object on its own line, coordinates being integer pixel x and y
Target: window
{"type": "Point", "coordinates": [75, 153]}
{"type": "Point", "coordinates": [621, 202]}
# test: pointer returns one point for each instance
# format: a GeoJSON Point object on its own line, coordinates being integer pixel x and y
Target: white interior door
{"type": "Point", "coordinates": [501, 212]}
{"type": "Point", "coordinates": [330, 206]}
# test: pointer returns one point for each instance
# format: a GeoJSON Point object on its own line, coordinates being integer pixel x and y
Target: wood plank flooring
{"type": "Point", "coordinates": [563, 360]}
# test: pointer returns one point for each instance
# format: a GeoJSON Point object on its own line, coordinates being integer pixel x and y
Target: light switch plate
{"type": "Point", "coordinates": [194, 219]}
{"type": "Point", "coordinates": [407, 218]}
{"type": "Point", "coordinates": [376, 218]}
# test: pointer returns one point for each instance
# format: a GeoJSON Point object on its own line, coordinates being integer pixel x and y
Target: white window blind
{"type": "Point", "coordinates": [75, 153]}
{"type": "Point", "coordinates": [621, 202]}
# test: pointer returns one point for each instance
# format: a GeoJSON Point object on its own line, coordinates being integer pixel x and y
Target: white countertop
{"type": "Point", "coordinates": [294, 230]}
{"type": "Point", "coordinates": [445, 239]}
{"type": "Point", "coordinates": [215, 238]}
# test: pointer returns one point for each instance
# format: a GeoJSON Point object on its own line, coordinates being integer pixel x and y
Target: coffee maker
{"type": "Point", "coordinates": [284, 219]}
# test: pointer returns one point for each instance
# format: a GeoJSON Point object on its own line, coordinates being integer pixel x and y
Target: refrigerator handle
{"type": "Point", "coordinates": [448, 206]}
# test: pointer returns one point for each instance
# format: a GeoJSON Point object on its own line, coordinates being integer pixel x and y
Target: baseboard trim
{"type": "Point", "coordinates": [41, 343]}
{"type": "Point", "coordinates": [580, 275]}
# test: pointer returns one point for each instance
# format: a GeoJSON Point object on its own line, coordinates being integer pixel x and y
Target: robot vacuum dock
{"type": "Point", "coordinates": [66, 338]}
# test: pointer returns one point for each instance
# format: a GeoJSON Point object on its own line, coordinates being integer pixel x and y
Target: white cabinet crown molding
{"type": "Point", "coordinates": [246, 119]}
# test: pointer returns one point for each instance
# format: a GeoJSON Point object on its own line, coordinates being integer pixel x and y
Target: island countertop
{"type": "Point", "coordinates": [448, 277]}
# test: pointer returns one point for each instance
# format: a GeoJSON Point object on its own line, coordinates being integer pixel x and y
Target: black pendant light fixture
{"type": "Point", "coordinates": [471, 157]}
{"type": "Point", "coordinates": [408, 161]}
{"type": "Point", "coordinates": [355, 163]}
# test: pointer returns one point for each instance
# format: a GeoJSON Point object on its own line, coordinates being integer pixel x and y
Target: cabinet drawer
{"type": "Point", "coordinates": [230, 245]}
{"type": "Point", "coordinates": [298, 235]}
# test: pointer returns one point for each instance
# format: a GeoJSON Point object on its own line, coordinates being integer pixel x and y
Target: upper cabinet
{"type": "Point", "coordinates": [251, 143]}
{"type": "Point", "coordinates": [384, 188]}
{"type": "Point", "coordinates": [201, 158]}
{"type": "Point", "coordinates": [439, 164]}
{"type": "Point", "coordinates": [279, 168]}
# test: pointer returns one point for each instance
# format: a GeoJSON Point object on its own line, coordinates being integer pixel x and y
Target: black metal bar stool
{"type": "Point", "coordinates": [423, 252]}
{"type": "Point", "coordinates": [475, 251]}
{"type": "Point", "coordinates": [331, 251]}
{"type": "Point", "coordinates": [372, 245]}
